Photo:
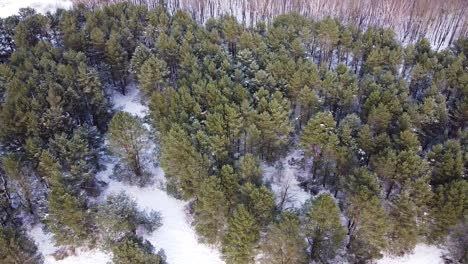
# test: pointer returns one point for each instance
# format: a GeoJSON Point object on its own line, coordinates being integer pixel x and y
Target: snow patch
{"type": "Point", "coordinates": [130, 102]}
{"type": "Point", "coordinates": [422, 254]}
{"type": "Point", "coordinates": [45, 245]}
{"type": "Point", "coordinates": [283, 179]}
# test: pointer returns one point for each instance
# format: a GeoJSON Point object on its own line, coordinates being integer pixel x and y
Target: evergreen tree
{"type": "Point", "coordinates": [183, 165]}
{"type": "Point", "coordinates": [367, 226]}
{"type": "Point", "coordinates": [68, 217]}
{"type": "Point", "coordinates": [403, 235]}
{"type": "Point", "coordinates": [129, 140]}
{"type": "Point", "coordinates": [17, 248]}
{"type": "Point", "coordinates": [250, 170]}
{"type": "Point", "coordinates": [119, 217]}
{"type": "Point", "coordinates": [319, 139]}
{"type": "Point", "coordinates": [210, 210]}
{"type": "Point", "coordinates": [323, 228]}
{"type": "Point", "coordinates": [284, 244]}
{"type": "Point", "coordinates": [116, 57]}
{"type": "Point", "coordinates": [21, 174]}
{"type": "Point", "coordinates": [132, 250]}
{"type": "Point", "coordinates": [152, 75]}
{"type": "Point", "coordinates": [241, 237]}
{"type": "Point", "coordinates": [230, 184]}
{"type": "Point", "coordinates": [450, 206]}
{"type": "Point", "coordinates": [260, 202]}
{"type": "Point", "coordinates": [141, 54]}
{"type": "Point", "coordinates": [446, 162]}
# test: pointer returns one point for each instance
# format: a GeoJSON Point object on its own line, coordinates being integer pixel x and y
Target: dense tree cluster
{"type": "Point", "coordinates": [382, 128]}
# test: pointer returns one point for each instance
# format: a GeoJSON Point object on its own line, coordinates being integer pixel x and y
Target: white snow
{"type": "Point", "coordinates": [130, 102]}
{"type": "Point", "coordinates": [176, 236]}
{"type": "Point", "coordinates": [45, 244]}
{"type": "Point", "coordinates": [422, 254]}
{"type": "Point", "coordinates": [287, 178]}
{"type": "Point", "coordinates": [11, 7]}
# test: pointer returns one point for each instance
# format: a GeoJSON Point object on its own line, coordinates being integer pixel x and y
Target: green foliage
{"type": "Point", "coordinates": [389, 143]}
{"type": "Point", "coordinates": [152, 74]}
{"type": "Point", "coordinates": [68, 217]}
{"type": "Point", "coordinates": [241, 237]}
{"type": "Point", "coordinates": [17, 247]}
{"type": "Point", "coordinates": [184, 166]}
{"type": "Point", "coordinates": [260, 201]}
{"type": "Point", "coordinates": [116, 57]}
{"type": "Point", "coordinates": [284, 242]}
{"type": "Point", "coordinates": [129, 140]}
{"type": "Point", "coordinates": [133, 250]}
{"type": "Point", "coordinates": [368, 225]}
{"type": "Point", "coordinates": [210, 210]}
{"type": "Point", "coordinates": [450, 207]}
{"type": "Point", "coordinates": [250, 170]}
{"type": "Point", "coordinates": [323, 228]}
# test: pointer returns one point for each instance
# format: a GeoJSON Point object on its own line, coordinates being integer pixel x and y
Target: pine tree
{"type": "Point", "coordinates": [450, 206]}
{"type": "Point", "coordinates": [284, 242]}
{"type": "Point", "coordinates": [403, 235]}
{"type": "Point", "coordinates": [95, 106]}
{"type": "Point", "coordinates": [183, 165]}
{"type": "Point", "coordinates": [250, 170]}
{"type": "Point", "coordinates": [132, 250]}
{"type": "Point", "coordinates": [129, 140]}
{"type": "Point", "coordinates": [319, 139]}
{"type": "Point", "coordinates": [241, 237]}
{"type": "Point", "coordinates": [141, 54]}
{"type": "Point", "coordinates": [446, 162]}
{"type": "Point", "coordinates": [230, 183]}
{"type": "Point", "coordinates": [17, 247]}
{"type": "Point", "coordinates": [324, 230]}
{"type": "Point", "coordinates": [260, 202]}
{"type": "Point", "coordinates": [20, 173]}
{"type": "Point", "coordinates": [116, 58]}
{"type": "Point", "coordinates": [98, 40]}
{"type": "Point", "coordinates": [210, 210]}
{"type": "Point", "coordinates": [73, 36]}
{"type": "Point", "coordinates": [367, 226]}
{"type": "Point", "coordinates": [77, 156]}
{"type": "Point", "coordinates": [68, 219]}
{"type": "Point", "coordinates": [152, 75]}
{"type": "Point", "coordinates": [47, 166]}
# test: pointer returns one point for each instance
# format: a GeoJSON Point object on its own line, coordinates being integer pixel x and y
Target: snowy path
{"type": "Point", "coordinates": [422, 254]}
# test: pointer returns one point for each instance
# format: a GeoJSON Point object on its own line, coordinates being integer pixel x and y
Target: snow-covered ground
{"type": "Point", "coordinates": [45, 245]}
{"type": "Point", "coordinates": [283, 180]}
{"type": "Point", "coordinates": [422, 254]}
{"type": "Point", "coordinates": [11, 7]}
